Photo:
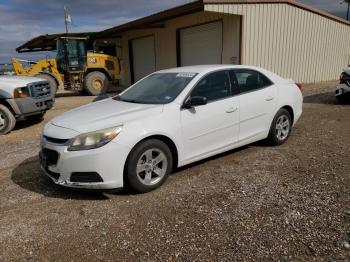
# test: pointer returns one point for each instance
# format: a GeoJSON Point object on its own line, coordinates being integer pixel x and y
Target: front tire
{"type": "Point", "coordinates": [96, 83]}
{"type": "Point", "coordinates": [7, 120]}
{"type": "Point", "coordinates": [280, 129]}
{"type": "Point", "coordinates": [148, 165]}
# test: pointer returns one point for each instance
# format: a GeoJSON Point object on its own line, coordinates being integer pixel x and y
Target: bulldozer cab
{"type": "Point", "coordinates": [71, 54]}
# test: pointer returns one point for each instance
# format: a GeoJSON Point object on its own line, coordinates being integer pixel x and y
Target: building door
{"type": "Point", "coordinates": [142, 57]}
{"type": "Point", "coordinates": [200, 44]}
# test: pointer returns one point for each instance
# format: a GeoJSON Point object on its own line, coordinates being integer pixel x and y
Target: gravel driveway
{"type": "Point", "coordinates": [287, 203]}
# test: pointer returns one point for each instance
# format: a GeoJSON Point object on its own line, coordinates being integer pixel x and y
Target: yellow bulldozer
{"type": "Point", "coordinates": [73, 68]}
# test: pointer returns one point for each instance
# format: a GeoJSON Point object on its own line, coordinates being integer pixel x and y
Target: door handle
{"type": "Point", "coordinates": [231, 109]}
{"type": "Point", "coordinates": [269, 98]}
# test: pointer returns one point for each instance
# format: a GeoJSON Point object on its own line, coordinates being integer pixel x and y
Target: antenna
{"type": "Point", "coordinates": [67, 18]}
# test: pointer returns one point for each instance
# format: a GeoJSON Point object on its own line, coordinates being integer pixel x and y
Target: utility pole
{"type": "Point", "coordinates": [67, 18]}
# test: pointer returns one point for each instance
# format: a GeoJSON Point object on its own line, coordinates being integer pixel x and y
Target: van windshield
{"type": "Point", "coordinates": [158, 88]}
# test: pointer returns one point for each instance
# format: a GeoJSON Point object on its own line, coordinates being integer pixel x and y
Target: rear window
{"type": "Point", "coordinates": [250, 80]}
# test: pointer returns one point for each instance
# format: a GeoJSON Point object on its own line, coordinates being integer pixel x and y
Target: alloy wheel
{"type": "Point", "coordinates": [2, 120]}
{"type": "Point", "coordinates": [282, 127]}
{"type": "Point", "coordinates": [151, 167]}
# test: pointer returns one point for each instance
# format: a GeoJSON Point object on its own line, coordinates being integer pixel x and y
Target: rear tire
{"type": "Point", "coordinates": [280, 129]}
{"type": "Point", "coordinates": [148, 165]}
{"type": "Point", "coordinates": [96, 83]}
{"type": "Point", "coordinates": [7, 120]}
{"type": "Point", "coordinates": [52, 82]}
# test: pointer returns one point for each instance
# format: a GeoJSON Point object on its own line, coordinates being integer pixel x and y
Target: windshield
{"type": "Point", "coordinates": [158, 88]}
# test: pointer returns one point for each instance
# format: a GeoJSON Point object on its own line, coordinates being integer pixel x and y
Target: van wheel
{"type": "Point", "coordinates": [52, 82]}
{"type": "Point", "coordinates": [7, 120]}
{"type": "Point", "coordinates": [148, 165]}
{"type": "Point", "coordinates": [280, 128]}
{"type": "Point", "coordinates": [96, 83]}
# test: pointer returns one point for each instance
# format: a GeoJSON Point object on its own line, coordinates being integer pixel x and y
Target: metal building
{"type": "Point", "coordinates": [289, 38]}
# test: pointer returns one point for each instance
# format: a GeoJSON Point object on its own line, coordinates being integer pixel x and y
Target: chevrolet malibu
{"type": "Point", "coordinates": [168, 119]}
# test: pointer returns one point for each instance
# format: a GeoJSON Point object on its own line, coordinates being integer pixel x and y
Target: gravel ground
{"type": "Point", "coordinates": [287, 203]}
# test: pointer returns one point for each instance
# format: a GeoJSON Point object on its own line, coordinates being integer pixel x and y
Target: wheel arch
{"type": "Point", "coordinates": [165, 139]}
{"type": "Point", "coordinates": [290, 111]}
{"type": "Point", "coordinates": [8, 105]}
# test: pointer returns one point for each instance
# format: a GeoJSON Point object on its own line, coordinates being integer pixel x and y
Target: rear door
{"type": "Point", "coordinates": [257, 101]}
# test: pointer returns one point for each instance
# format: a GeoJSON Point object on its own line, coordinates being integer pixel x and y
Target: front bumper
{"type": "Point", "coordinates": [30, 106]}
{"type": "Point", "coordinates": [342, 89]}
{"type": "Point", "coordinates": [107, 161]}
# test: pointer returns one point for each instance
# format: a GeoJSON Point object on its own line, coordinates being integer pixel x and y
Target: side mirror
{"type": "Point", "coordinates": [195, 101]}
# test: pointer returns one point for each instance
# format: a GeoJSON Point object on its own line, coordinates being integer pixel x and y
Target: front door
{"type": "Point", "coordinates": [213, 126]}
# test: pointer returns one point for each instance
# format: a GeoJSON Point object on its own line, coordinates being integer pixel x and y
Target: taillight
{"type": "Point", "coordinates": [299, 85]}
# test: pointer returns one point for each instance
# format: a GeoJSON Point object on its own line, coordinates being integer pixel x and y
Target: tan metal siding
{"type": "Point", "coordinates": [165, 40]}
{"type": "Point", "coordinates": [291, 41]}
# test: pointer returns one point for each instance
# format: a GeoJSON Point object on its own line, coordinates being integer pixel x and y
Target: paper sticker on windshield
{"type": "Point", "coordinates": [167, 97]}
{"type": "Point", "coordinates": [189, 75]}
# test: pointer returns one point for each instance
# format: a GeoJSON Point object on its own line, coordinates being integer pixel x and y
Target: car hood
{"type": "Point", "coordinates": [104, 114]}
{"type": "Point", "coordinates": [18, 81]}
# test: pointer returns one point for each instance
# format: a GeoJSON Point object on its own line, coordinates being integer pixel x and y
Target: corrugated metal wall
{"type": "Point", "coordinates": [290, 41]}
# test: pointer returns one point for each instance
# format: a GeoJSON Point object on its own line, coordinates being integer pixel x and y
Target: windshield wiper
{"type": "Point", "coordinates": [118, 98]}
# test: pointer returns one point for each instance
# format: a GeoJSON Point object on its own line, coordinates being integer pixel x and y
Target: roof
{"type": "Point", "coordinates": [47, 42]}
{"type": "Point", "coordinates": [289, 2]}
{"type": "Point", "coordinates": [196, 6]}
{"type": "Point", "coordinates": [203, 69]}
{"type": "Point", "coordinates": [194, 68]}
{"type": "Point", "coordinates": [150, 20]}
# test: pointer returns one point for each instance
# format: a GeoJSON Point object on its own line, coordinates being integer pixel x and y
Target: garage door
{"type": "Point", "coordinates": [143, 57]}
{"type": "Point", "coordinates": [201, 44]}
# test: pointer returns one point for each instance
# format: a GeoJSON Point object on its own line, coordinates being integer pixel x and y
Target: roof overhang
{"type": "Point", "coordinates": [197, 6]}
{"type": "Point", "coordinates": [48, 42]}
{"type": "Point", "coordinates": [155, 20]}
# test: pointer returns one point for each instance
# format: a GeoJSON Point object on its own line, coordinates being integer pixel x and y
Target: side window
{"type": "Point", "coordinates": [214, 86]}
{"type": "Point", "coordinates": [250, 80]}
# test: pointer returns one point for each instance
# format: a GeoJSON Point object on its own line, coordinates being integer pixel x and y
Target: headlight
{"type": "Point", "coordinates": [94, 139]}
{"type": "Point", "coordinates": [21, 92]}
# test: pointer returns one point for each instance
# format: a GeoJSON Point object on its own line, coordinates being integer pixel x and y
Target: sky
{"type": "Point", "coordinates": [22, 20]}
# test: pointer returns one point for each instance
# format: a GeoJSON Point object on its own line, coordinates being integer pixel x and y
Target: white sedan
{"type": "Point", "coordinates": [168, 119]}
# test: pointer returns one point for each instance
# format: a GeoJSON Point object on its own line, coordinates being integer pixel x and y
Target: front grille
{"type": "Point", "coordinates": [86, 177]}
{"type": "Point", "coordinates": [51, 156]}
{"type": "Point", "coordinates": [56, 140]}
{"type": "Point", "coordinates": [40, 89]}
